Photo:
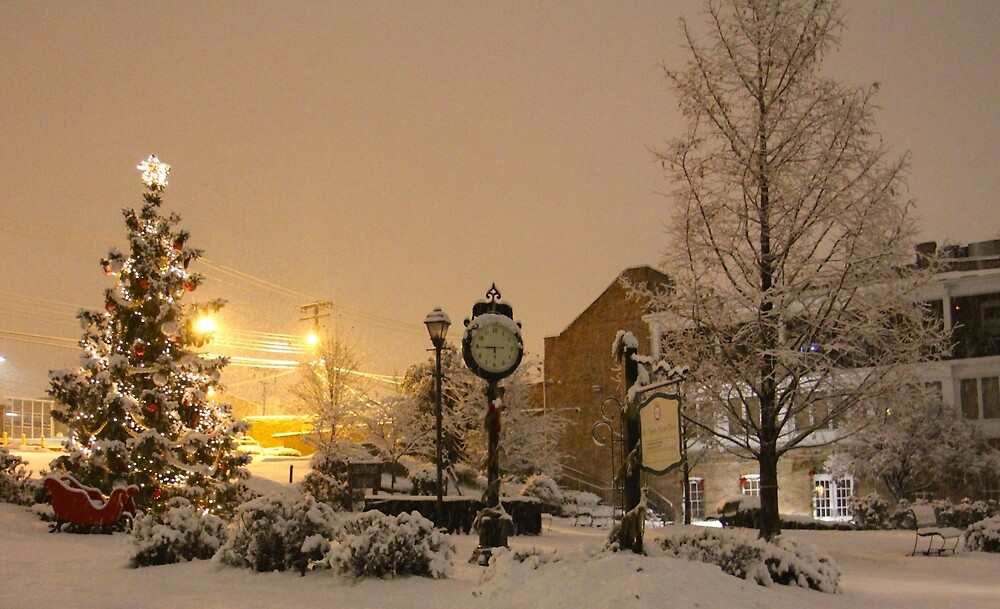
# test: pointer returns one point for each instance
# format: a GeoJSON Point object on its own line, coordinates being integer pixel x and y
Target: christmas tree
{"type": "Point", "coordinates": [140, 406]}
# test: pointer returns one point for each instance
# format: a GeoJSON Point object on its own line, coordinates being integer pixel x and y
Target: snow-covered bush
{"type": "Point", "coordinates": [273, 533]}
{"type": "Point", "coordinates": [781, 561]}
{"type": "Point", "coordinates": [870, 512]}
{"type": "Point", "coordinates": [545, 489]}
{"type": "Point", "coordinates": [376, 545]}
{"type": "Point", "coordinates": [984, 536]}
{"type": "Point", "coordinates": [581, 499]}
{"type": "Point", "coordinates": [469, 476]}
{"type": "Point", "coordinates": [16, 484]}
{"type": "Point", "coordinates": [308, 533]}
{"type": "Point", "coordinates": [184, 532]}
{"type": "Point", "coordinates": [256, 539]}
{"type": "Point", "coordinates": [961, 515]}
{"type": "Point", "coordinates": [327, 482]}
{"type": "Point", "coordinates": [423, 480]}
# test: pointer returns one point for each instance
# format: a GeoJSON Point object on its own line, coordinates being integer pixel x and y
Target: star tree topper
{"type": "Point", "coordinates": [154, 173]}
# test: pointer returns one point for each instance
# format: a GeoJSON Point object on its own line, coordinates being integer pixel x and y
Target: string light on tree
{"type": "Point", "coordinates": [141, 396]}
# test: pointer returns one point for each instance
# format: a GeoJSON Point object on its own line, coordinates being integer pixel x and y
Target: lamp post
{"type": "Point", "coordinates": [437, 323]}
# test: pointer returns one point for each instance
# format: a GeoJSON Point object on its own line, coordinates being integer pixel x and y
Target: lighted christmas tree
{"type": "Point", "coordinates": [140, 406]}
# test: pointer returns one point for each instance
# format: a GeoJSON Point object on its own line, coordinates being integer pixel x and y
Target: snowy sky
{"type": "Point", "coordinates": [394, 157]}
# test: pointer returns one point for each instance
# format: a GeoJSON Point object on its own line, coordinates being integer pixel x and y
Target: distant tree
{"type": "Point", "coordinates": [529, 437]}
{"type": "Point", "coordinates": [794, 302]}
{"type": "Point", "coordinates": [331, 390]}
{"type": "Point", "coordinates": [397, 428]}
{"type": "Point", "coordinates": [919, 445]}
{"type": "Point", "coordinates": [461, 398]}
{"type": "Point", "coordinates": [529, 434]}
{"type": "Point", "coordinates": [140, 406]}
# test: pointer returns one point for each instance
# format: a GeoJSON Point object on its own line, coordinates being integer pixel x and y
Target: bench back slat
{"type": "Point", "coordinates": [924, 515]}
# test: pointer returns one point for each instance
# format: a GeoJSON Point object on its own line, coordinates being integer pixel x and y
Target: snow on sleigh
{"type": "Point", "coordinates": [86, 509]}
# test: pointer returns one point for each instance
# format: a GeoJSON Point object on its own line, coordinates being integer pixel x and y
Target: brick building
{"type": "Point", "coordinates": [580, 375]}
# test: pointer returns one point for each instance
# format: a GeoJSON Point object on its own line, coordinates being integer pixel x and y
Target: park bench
{"type": "Point", "coordinates": [927, 526]}
{"type": "Point", "coordinates": [727, 510]}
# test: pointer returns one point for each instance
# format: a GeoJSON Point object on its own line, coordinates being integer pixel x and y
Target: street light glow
{"type": "Point", "coordinates": [205, 325]}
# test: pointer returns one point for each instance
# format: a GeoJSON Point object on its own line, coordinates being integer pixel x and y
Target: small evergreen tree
{"type": "Point", "coordinates": [140, 406]}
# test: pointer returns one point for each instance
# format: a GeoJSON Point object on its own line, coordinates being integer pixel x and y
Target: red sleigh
{"type": "Point", "coordinates": [85, 508]}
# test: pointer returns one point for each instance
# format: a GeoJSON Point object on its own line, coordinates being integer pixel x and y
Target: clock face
{"type": "Point", "coordinates": [495, 348]}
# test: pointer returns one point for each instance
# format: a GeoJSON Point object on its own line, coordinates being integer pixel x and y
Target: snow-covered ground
{"type": "Point", "coordinates": [43, 570]}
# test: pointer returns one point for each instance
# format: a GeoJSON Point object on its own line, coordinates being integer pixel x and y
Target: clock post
{"type": "Point", "coordinates": [492, 349]}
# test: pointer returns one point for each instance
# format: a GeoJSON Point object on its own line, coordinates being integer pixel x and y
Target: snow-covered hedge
{"type": "Point", "coordinates": [273, 533]}
{"type": "Point", "coordinates": [184, 532]}
{"type": "Point", "coordinates": [424, 480]}
{"type": "Point", "coordinates": [16, 484]}
{"type": "Point", "coordinates": [545, 489]}
{"type": "Point", "coordinates": [781, 561]}
{"type": "Point", "coordinates": [376, 545]}
{"type": "Point", "coordinates": [327, 482]}
{"type": "Point", "coordinates": [984, 536]}
{"type": "Point", "coordinates": [870, 512]}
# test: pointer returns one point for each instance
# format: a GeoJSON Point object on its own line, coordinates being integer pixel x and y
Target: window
{"type": "Point", "coordinates": [750, 485]}
{"type": "Point", "coordinates": [991, 487]}
{"type": "Point", "coordinates": [696, 494]}
{"type": "Point", "coordinates": [32, 418]}
{"type": "Point", "coordinates": [832, 497]}
{"type": "Point", "coordinates": [980, 397]}
{"type": "Point", "coordinates": [976, 323]}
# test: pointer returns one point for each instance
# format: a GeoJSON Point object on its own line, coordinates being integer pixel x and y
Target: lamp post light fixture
{"type": "Point", "coordinates": [437, 322]}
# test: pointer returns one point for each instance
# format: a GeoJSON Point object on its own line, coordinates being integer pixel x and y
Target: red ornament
{"type": "Point", "coordinates": [152, 406]}
{"type": "Point", "coordinates": [190, 286]}
{"type": "Point", "coordinates": [144, 283]}
{"type": "Point", "coordinates": [111, 306]}
{"type": "Point", "coordinates": [139, 350]}
{"type": "Point", "coordinates": [157, 493]}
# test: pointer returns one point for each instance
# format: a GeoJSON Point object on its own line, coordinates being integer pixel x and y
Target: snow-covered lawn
{"type": "Point", "coordinates": [43, 570]}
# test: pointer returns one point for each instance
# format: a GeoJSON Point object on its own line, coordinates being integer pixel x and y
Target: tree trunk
{"type": "Point", "coordinates": [770, 523]}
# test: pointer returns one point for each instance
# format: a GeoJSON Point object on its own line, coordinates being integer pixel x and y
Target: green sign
{"type": "Point", "coordinates": [660, 421]}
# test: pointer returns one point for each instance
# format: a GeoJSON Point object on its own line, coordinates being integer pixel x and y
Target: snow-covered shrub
{"type": "Point", "coordinates": [781, 561]}
{"type": "Point", "coordinates": [309, 529]}
{"type": "Point", "coordinates": [423, 480]}
{"type": "Point", "coordinates": [581, 499]}
{"type": "Point", "coordinates": [870, 512]}
{"type": "Point", "coordinates": [469, 476]}
{"type": "Point", "coordinates": [273, 533]}
{"type": "Point", "coordinates": [16, 484]}
{"type": "Point", "coordinates": [544, 488]}
{"type": "Point", "coordinates": [327, 482]}
{"type": "Point", "coordinates": [184, 532]}
{"type": "Point", "coordinates": [984, 536]}
{"type": "Point", "coordinates": [256, 535]}
{"type": "Point", "coordinates": [901, 517]}
{"type": "Point", "coordinates": [961, 515]}
{"type": "Point", "coordinates": [376, 545]}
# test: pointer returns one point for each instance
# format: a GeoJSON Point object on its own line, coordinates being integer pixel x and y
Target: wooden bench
{"type": "Point", "coordinates": [927, 526]}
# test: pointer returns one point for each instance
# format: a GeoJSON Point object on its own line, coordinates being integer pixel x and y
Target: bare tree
{"type": "Point", "coordinates": [398, 428]}
{"type": "Point", "coordinates": [794, 301]}
{"type": "Point", "coordinates": [334, 393]}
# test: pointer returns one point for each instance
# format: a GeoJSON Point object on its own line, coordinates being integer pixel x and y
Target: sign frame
{"type": "Point", "coordinates": [663, 431]}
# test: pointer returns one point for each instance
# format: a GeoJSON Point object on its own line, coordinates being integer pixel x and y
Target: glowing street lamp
{"type": "Point", "coordinates": [205, 325]}
{"type": "Point", "coordinates": [437, 322]}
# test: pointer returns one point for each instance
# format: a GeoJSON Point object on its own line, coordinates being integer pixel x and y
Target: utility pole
{"type": "Point", "coordinates": [314, 308]}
